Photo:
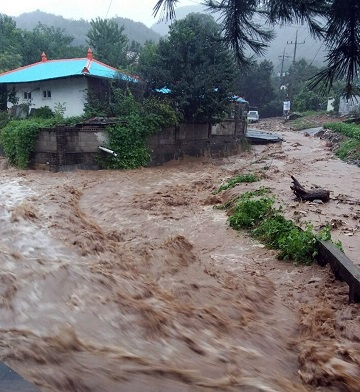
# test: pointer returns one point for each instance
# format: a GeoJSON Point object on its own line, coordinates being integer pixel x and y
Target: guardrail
{"type": "Point", "coordinates": [342, 267]}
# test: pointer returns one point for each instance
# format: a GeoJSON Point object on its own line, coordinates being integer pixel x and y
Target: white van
{"type": "Point", "coordinates": [253, 116]}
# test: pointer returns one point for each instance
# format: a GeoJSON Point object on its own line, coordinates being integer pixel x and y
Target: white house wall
{"type": "Point", "coordinates": [330, 104]}
{"type": "Point", "coordinates": [349, 106]}
{"type": "Point", "coordinates": [68, 93]}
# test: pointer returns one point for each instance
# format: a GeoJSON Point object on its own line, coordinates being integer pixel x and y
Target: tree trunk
{"type": "Point", "coordinates": [313, 194]}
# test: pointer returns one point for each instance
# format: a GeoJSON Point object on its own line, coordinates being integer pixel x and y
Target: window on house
{"type": "Point", "coordinates": [46, 94]}
{"type": "Point", "coordinates": [27, 95]}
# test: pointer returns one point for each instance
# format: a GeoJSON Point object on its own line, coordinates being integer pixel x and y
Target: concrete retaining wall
{"type": "Point", "coordinates": [196, 140]}
{"type": "Point", "coordinates": [67, 148]}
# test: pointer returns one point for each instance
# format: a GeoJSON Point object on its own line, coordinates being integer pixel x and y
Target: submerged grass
{"type": "Point", "coordinates": [232, 182]}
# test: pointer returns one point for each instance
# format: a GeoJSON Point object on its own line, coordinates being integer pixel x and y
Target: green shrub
{"type": "Point", "coordinates": [129, 141]}
{"type": "Point", "coordinates": [18, 139]}
{"type": "Point", "coordinates": [298, 245]}
{"type": "Point", "coordinates": [272, 229]}
{"type": "Point", "coordinates": [4, 118]}
{"type": "Point", "coordinates": [247, 195]}
{"type": "Point", "coordinates": [254, 211]}
{"type": "Point", "coordinates": [129, 138]}
{"type": "Point", "coordinates": [247, 212]}
{"type": "Point", "coordinates": [43, 112]}
{"type": "Point", "coordinates": [325, 235]}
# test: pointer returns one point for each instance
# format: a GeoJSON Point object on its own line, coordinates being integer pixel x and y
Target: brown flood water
{"type": "Point", "coordinates": [131, 281]}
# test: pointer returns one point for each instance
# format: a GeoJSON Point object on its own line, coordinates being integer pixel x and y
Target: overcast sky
{"type": "Point", "coordinates": [137, 10]}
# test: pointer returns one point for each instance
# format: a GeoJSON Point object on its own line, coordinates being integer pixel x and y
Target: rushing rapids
{"type": "Point", "coordinates": [132, 281]}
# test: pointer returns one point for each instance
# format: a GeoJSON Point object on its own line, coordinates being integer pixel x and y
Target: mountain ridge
{"type": "Point", "coordinates": [280, 50]}
{"type": "Point", "coordinates": [78, 28]}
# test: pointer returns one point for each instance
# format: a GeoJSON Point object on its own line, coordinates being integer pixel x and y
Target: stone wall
{"type": "Point", "coordinates": [70, 148]}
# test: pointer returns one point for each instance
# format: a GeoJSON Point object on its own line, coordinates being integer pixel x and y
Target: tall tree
{"type": "Point", "coordinates": [299, 75]}
{"type": "Point", "coordinates": [336, 20]}
{"type": "Point", "coordinates": [244, 21]}
{"type": "Point", "coordinates": [343, 42]}
{"type": "Point", "coordinates": [53, 41]}
{"type": "Point", "coordinates": [195, 65]}
{"type": "Point", "coordinates": [10, 37]}
{"type": "Point", "coordinates": [109, 42]}
{"type": "Point", "coordinates": [255, 84]}
{"type": "Point", "coordinates": [148, 58]}
{"type": "Point", "coordinates": [10, 58]}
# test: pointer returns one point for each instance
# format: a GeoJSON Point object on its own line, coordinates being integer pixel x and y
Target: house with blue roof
{"type": "Point", "coordinates": [64, 82]}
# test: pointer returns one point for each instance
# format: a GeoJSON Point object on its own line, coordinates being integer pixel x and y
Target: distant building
{"type": "Point", "coordinates": [55, 83]}
{"type": "Point", "coordinates": [330, 104]}
{"type": "Point", "coordinates": [349, 106]}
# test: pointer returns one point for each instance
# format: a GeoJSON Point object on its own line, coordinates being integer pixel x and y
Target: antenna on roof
{"type": "Point", "coordinates": [43, 57]}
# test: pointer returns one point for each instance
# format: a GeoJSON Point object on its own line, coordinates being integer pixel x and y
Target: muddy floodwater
{"type": "Point", "coordinates": [132, 281]}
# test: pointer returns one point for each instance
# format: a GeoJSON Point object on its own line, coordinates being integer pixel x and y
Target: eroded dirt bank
{"type": "Point", "coordinates": [131, 281]}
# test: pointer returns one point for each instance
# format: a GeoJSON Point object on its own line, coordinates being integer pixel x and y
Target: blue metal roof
{"type": "Point", "coordinates": [163, 90]}
{"type": "Point", "coordinates": [236, 98]}
{"type": "Point", "coordinates": [54, 69]}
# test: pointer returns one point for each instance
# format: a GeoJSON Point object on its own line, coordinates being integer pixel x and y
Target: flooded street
{"type": "Point", "coordinates": [132, 281]}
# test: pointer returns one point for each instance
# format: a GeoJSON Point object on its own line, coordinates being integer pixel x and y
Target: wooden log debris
{"type": "Point", "coordinates": [309, 195]}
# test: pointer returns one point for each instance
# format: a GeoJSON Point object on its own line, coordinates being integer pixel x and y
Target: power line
{"type": "Point", "coordinates": [108, 9]}
{"type": "Point", "coordinates": [317, 53]}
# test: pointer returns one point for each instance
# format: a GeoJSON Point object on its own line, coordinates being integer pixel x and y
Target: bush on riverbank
{"type": "Point", "coordinates": [265, 222]}
{"type": "Point", "coordinates": [255, 211]}
{"type": "Point", "coordinates": [18, 139]}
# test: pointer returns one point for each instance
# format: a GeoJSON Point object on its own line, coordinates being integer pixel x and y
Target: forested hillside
{"type": "Point", "coordinates": [307, 48]}
{"type": "Point", "coordinates": [116, 41]}
{"type": "Point", "coordinates": [78, 28]}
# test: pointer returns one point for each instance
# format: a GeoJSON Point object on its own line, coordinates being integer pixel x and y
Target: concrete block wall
{"type": "Point", "coordinates": [193, 131]}
{"type": "Point", "coordinates": [46, 141]}
{"type": "Point", "coordinates": [68, 148]}
{"type": "Point", "coordinates": [226, 127]}
{"type": "Point", "coordinates": [194, 140]}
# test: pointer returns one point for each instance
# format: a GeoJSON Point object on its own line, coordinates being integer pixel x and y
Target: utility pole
{"type": "Point", "coordinates": [296, 43]}
{"type": "Point", "coordinates": [282, 63]}
{"type": "Point", "coordinates": [282, 88]}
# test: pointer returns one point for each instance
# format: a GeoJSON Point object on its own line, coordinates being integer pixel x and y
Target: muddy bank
{"type": "Point", "coordinates": [127, 281]}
